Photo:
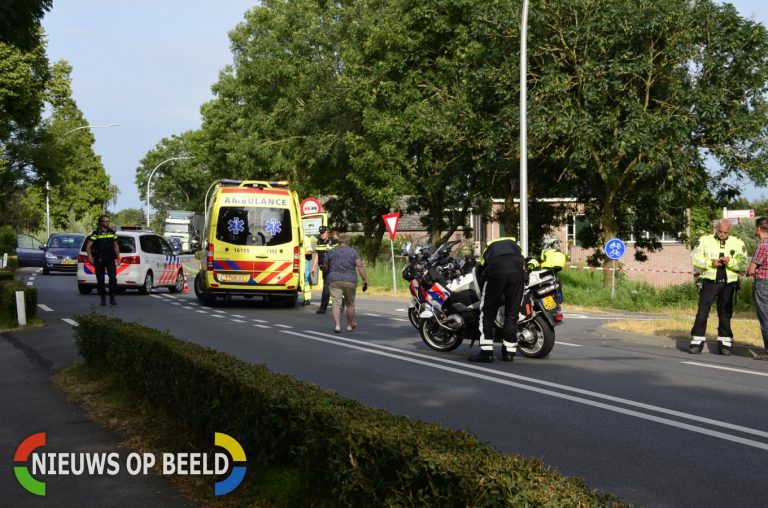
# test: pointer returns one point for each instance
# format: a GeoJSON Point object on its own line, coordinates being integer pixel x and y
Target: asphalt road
{"type": "Point", "coordinates": [635, 417]}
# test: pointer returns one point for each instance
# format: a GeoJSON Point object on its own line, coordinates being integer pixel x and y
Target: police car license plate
{"type": "Point", "coordinates": [549, 302]}
{"type": "Point", "coordinates": [68, 262]}
{"type": "Point", "coordinates": [234, 277]}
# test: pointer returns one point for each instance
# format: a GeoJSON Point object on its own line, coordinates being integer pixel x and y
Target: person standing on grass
{"type": "Point", "coordinates": [758, 268]}
{"type": "Point", "coordinates": [720, 257]}
{"type": "Point", "coordinates": [341, 266]}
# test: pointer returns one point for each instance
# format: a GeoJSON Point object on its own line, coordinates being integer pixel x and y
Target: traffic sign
{"type": "Point", "coordinates": [614, 248]}
{"type": "Point", "coordinates": [739, 214]}
{"type": "Point", "coordinates": [311, 205]}
{"type": "Point", "coordinates": [391, 220]}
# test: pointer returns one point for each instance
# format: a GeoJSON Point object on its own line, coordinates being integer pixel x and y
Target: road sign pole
{"type": "Point", "coordinates": [613, 281]}
{"type": "Point", "coordinates": [394, 279]}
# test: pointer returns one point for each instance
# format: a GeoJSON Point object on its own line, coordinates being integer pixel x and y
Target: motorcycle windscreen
{"type": "Point", "coordinates": [437, 295]}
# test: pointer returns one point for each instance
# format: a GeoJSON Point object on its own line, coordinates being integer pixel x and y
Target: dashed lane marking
{"type": "Point", "coordinates": [70, 321]}
{"type": "Point", "coordinates": [45, 307]}
{"type": "Point", "coordinates": [743, 371]}
{"type": "Point", "coordinates": [284, 326]}
{"type": "Point", "coordinates": [238, 321]}
{"type": "Point", "coordinates": [568, 344]}
{"type": "Point", "coordinates": [262, 326]}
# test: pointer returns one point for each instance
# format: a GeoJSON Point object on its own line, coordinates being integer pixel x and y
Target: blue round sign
{"type": "Point", "coordinates": [614, 248]}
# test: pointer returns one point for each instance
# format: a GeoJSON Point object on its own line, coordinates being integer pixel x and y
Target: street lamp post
{"type": "Point", "coordinates": [92, 127]}
{"type": "Point", "coordinates": [523, 130]}
{"type": "Point", "coordinates": [152, 173]}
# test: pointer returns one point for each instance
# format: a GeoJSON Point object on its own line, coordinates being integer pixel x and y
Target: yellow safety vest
{"type": "Point", "coordinates": [709, 248]}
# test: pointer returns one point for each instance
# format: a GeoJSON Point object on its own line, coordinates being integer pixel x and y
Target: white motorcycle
{"type": "Point", "coordinates": [452, 310]}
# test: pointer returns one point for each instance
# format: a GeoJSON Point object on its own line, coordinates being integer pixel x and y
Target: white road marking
{"type": "Point", "coordinates": [743, 371]}
{"type": "Point", "coordinates": [259, 321]}
{"type": "Point", "coordinates": [238, 316]}
{"type": "Point", "coordinates": [284, 326]}
{"type": "Point", "coordinates": [70, 321]}
{"type": "Point", "coordinates": [156, 296]}
{"type": "Point", "coordinates": [175, 303]}
{"type": "Point", "coordinates": [237, 320]}
{"type": "Point", "coordinates": [220, 311]}
{"type": "Point", "coordinates": [401, 310]}
{"type": "Point", "coordinates": [373, 315]}
{"type": "Point", "coordinates": [399, 319]}
{"type": "Point", "coordinates": [487, 374]}
{"type": "Point", "coordinates": [30, 282]}
{"type": "Point", "coordinates": [218, 316]}
{"type": "Point", "coordinates": [202, 311]}
{"type": "Point", "coordinates": [568, 344]}
{"type": "Point", "coordinates": [45, 307]}
{"type": "Point", "coordinates": [264, 326]}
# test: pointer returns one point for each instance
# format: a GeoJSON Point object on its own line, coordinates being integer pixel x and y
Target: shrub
{"type": "Point", "coordinates": [8, 290]}
{"type": "Point", "coordinates": [360, 455]}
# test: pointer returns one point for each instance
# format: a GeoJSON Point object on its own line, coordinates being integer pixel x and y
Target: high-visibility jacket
{"type": "Point", "coordinates": [710, 247]}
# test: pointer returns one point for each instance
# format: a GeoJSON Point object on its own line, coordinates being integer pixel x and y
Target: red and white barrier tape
{"type": "Point", "coordinates": [608, 269]}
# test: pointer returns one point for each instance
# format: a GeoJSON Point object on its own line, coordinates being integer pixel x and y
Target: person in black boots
{"type": "Point", "coordinates": [501, 274]}
{"type": "Point", "coordinates": [324, 244]}
{"type": "Point", "coordinates": [102, 249]}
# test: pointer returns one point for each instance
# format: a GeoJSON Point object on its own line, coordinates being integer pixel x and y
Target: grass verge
{"type": "Point", "coordinates": [143, 428]}
{"type": "Point", "coordinates": [745, 332]}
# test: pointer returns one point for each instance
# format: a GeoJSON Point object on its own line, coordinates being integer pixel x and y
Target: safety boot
{"type": "Point", "coordinates": [507, 355]}
{"type": "Point", "coordinates": [482, 357]}
{"type": "Point", "coordinates": [112, 300]}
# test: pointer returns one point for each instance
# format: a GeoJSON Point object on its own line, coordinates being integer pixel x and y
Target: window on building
{"type": "Point", "coordinates": [576, 223]}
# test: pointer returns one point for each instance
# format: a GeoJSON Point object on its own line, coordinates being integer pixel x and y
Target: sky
{"type": "Point", "coordinates": [148, 66]}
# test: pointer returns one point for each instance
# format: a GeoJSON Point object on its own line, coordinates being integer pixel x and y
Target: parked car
{"type": "Point", "coordinates": [29, 250]}
{"type": "Point", "coordinates": [147, 261]}
{"type": "Point", "coordinates": [61, 251]}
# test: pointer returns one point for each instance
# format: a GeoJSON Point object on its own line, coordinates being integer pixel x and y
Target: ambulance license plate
{"type": "Point", "coordinates": [234, 277]}
{"type": "Point", "coordinates": [549, 302]}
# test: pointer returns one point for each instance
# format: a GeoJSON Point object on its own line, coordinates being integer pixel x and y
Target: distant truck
{"type": "Point", "coordinates": [185, 226]}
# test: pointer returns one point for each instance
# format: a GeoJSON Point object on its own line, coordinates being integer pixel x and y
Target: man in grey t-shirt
{"type": "Point", "coordinates": [341, 266]}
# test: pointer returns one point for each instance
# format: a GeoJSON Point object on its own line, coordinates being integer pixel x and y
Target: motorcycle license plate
{"type": "Point", "coordinates": [549, 302]}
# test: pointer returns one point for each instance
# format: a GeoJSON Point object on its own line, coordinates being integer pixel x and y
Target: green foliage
{"type": "Point", "coordinates": [585, 288]}
{"type": "Point", "coordinates": [359, 455]}
{"type": "Point", "coordinates": [20, 21]}
{"type": "Point", "coordinates": [128, 217]}
{"type": "Point", "coordinates": [8, 289]}
{"type": "Point", "coordinates": [7, 240]}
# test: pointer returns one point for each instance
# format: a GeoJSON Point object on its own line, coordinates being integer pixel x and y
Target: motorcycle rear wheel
{"type": "Point", "coordinates": [413, 317]}
{"type": "Point", "coordinates": [437, 337]}
{"type": "Point", "coordinates": [543, 338]}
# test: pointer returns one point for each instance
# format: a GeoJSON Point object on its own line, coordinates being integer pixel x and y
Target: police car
{"type": "Point", "coordinates": [146, 262]}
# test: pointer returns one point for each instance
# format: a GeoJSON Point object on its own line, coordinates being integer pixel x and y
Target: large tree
{"type": "Point", "coordinates": [628, 102]}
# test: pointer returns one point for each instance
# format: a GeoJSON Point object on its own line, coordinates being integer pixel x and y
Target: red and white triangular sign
{"type": "Point", "coordinates": [391, 220]}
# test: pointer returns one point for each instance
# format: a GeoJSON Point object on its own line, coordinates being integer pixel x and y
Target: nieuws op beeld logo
{"type": "Point", "coordinates": [31, 463]}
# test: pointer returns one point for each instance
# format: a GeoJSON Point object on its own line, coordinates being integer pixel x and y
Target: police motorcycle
{"type": "Point", "coordinates": [414, 272]}
{"type": "Point", "coordinates": [452, 310]}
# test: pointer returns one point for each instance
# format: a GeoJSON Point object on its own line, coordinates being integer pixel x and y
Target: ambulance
{"type": "Point", "coordinates": [253, 243]}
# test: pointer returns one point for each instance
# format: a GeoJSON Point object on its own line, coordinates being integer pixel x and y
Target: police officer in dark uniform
{"type": "Point", "coordinates": [323, 245]}
{"type": "Point", "coordinates": [102, 249]}
{"type": "Point", "coordinates": [501, 273]}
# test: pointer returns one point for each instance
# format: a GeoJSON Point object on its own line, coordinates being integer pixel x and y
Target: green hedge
{"type": "Point", "coordinates": [8, 290]}
{"type": "Point", "coordinates": [360, 455]}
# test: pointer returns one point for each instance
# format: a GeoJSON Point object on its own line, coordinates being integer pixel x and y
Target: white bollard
{"type": "Point", "coordinates": [5, 260]}
{"type": "Point", "coordinates": [21, 309]}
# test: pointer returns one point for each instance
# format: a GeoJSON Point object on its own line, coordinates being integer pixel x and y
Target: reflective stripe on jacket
{"type": "Point", "coordinates": [709, 248]}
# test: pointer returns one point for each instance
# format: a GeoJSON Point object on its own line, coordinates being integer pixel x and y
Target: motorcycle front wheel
{"type": "Point", "coordinates": [538, 338]}
{"type": "Point", "coordinates": [437, 337]}
{"type": "Point", "coordinates": [413, 317]}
